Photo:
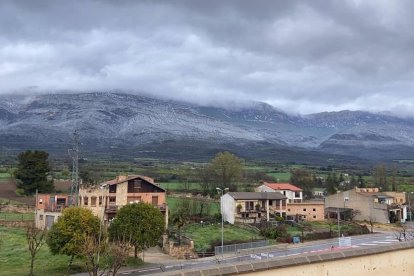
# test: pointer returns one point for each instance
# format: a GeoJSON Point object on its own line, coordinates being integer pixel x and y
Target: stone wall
{"type": "Point", "coordinates": [183, 251]}
{"type": "Point", "coordinates": [16, 224]}
{"type": "Point", "coordinates": [10, 208]}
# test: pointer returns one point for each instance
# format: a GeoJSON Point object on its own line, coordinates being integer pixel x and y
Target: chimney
{"type": "Point", "coordinates": [121, 178]}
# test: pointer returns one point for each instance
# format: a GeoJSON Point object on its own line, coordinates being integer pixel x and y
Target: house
{"type": "Point", "coordinates": [105, 199]}
{"type": "Point", "coordinates": [294, 194]}
{"type": "Point", "coordinates": [306, 211]}
{"type": "Point", "coordinates": [318, 192]}
{"type": "Point", "coordinates": [49, 208]}
{"type": "Point", "coordinates": [367, 204]}
{"type": "Point", "coordinates": [252, 207]}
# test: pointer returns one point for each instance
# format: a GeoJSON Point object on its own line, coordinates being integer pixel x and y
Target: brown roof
{"type": "Point", "coordinates": [130, 177]}
{"type": "Point", "coordinates": [255, 195]}
{"type": "Point", "coordinates": [283, 186]}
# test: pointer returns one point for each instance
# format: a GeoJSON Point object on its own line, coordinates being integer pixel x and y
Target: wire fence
{"type": "Point", "coordinates": [234, 248]}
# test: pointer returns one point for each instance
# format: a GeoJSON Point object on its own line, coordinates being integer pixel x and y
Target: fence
{"type": "Point", "coordinates": [233, 248]}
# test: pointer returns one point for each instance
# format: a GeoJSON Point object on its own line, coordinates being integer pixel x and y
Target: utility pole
{"type": "Point", "coordinates": [74, 154]}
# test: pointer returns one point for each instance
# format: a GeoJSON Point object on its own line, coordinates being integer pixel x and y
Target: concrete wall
{"type": "Point", "coordinates": [314, 211]}
{"type": "Point", "coordinates": [377, 261]}
{"type": "Point", "coordinates": [363, 203]}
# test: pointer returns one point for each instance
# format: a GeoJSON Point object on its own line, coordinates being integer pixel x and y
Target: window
{"type": "Point", "coordinates": [304, 209]}
{"type": "Point", "coordinates": [112, 200]}
{"type": "Point", "coordinates": [249, 205]}
{"type": "Point", "coordinates": [134, 186]}
{"type": "Point", "coordinates": [93, 201]}
{"type": "Point", "coordinates": [85, 200]}
{"type": "Point", "coordinates": [41, 217]}
{"type": "Point", "coordinates": [297, 194]}
{"type": "Point", "coordinates": [155, 200]}
{"type": "Point", "coordinates": [288, 210]}
{"type": "Point", "coordinates": [100, 201]}
{"type": "Point", "coordinates": [314, 217]}
{"type": "Point", "coordinates": [112, 189]}
{"type": "Point", "coordinates": [244, 215]}
{"type": "Point", "coordinates": [133, 199]}
{"type": "Point", "coordinates": [314, 209]}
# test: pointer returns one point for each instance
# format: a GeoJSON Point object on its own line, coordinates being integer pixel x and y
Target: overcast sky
{"type": "Point", "coordinates": [300, 56]}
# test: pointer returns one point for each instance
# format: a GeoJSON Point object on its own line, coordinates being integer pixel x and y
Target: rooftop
{"type": "Point", "coordinates": [283, 186]}
{"type": "Point", "coordinates": [256, 195]}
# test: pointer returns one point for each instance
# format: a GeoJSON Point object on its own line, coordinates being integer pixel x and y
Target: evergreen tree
{"type": "Point", "coordinates": [32, 172]}
{"type": "Point", "coordinates": [361, 182]}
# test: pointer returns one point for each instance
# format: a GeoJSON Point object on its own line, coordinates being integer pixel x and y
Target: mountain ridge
{"type": "Point", "coordinates": [119, 120]}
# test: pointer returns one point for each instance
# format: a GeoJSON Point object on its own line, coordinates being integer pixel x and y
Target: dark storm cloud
{"type": "Point", "coordinates": [301, 56]}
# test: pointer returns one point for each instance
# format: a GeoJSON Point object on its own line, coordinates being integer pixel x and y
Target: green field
{"type": "Point", "coordinates": [281, 176]}
{"type": "Point", "coordinates": [4, 176]}
{"type": "Point", "coordinates": [15, 259]}
{"type": "Point", "coordinates": [205, 235]}
{"type": "Point", "coordinates": [180, 186]}
{"type": "Point", "coordinates": [16, 216]}
{"type": "Point", "coordinates": [173, 203]}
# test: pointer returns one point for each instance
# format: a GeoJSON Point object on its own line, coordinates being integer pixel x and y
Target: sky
{"type": "Point", "coordinates": [299, 56]}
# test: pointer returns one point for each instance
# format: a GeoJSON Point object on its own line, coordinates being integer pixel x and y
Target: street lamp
{"type": "Point", "coordinates": [222, 217]}
{"type": "Point", "coordinates": [101, 187]}
{"type": "Point", "coordinates": [338, 215]}
{"type": "Point", "coordinates": [409, 206]}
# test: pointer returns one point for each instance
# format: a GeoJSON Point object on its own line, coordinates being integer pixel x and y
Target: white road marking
{"type": "Point", "coordinates": [387, 242]}
{"type": "Point", "coordinates": [368, 244]}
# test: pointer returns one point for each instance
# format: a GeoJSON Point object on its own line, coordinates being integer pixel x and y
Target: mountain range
{"type": "Point", "coordinates": [141, 126]}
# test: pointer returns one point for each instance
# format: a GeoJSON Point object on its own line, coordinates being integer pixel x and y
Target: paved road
{"type": "Point", "coordinates": [319, 246]}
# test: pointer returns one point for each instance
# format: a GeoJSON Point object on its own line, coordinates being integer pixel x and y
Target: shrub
{"type": "Point", "coordinates": [19, 192]}
{"type": "Point", "coordinates": [274, 232]}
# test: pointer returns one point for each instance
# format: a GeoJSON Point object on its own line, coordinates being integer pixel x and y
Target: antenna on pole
{"type": "Point", "coordinates": [74, 154]}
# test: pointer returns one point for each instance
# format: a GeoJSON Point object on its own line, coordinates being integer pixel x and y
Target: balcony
{"type": "Point", "coordinates": [111, 209]}
{"type": "Point", "coordinates": [55, 208]}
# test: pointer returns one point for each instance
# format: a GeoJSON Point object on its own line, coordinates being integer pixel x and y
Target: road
{"type": "Point", "coordinates": [318, 246]}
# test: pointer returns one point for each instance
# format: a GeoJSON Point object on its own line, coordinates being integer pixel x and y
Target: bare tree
{"type": "Point", "coordinates": [117, 255]}
{"type": "Point", "coordinates": [92, 250]}
{"type": "Point", "coordinates": [331, 223]}
{"type": "Point", "coordinates": [404, 232]}
{"type": "Point", "coordinates": [35, 238]}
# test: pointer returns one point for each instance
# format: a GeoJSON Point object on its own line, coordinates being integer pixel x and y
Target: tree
{"type": "Point", "coordinates": [380, 177]}
{"type": "Point", "coordinates": [179, 219]}
{"type": "Point", "coordinates": [226, 170]}
{"type": "Point", "coordinates": [331, 185]}
{"type": "Point", "coordinates": [35, 239]}
{"type": "Point", "coordinates": [76, 227]}
{"type": "Point", "coordinates": [304, 179]}
{"type": "Point", "coordinates": [141, 222]}
{"type": "Point", "coordinates": [32, 172]}
{"type": "Point", "coordinates": [361, 182]}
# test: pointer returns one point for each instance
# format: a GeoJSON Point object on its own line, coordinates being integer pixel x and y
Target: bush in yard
{"type": "Point", "coordinates": [274, 232]}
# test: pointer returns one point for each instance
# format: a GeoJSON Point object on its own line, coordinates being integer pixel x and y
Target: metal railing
{"type": "Point", "coordinates": [233, 248]}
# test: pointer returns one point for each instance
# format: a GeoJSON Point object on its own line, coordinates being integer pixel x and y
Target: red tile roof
{"type": "Point", "coordinates": [283, 186]}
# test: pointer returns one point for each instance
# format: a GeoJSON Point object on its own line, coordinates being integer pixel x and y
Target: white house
{"type": "Point", "coordinates": [252, 207]}
{"type": "Point", "coordinates": [294, 194]}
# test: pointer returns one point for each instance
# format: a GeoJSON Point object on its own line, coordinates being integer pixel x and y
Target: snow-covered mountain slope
{"type": "Point", "coordinates": [114, 119]}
